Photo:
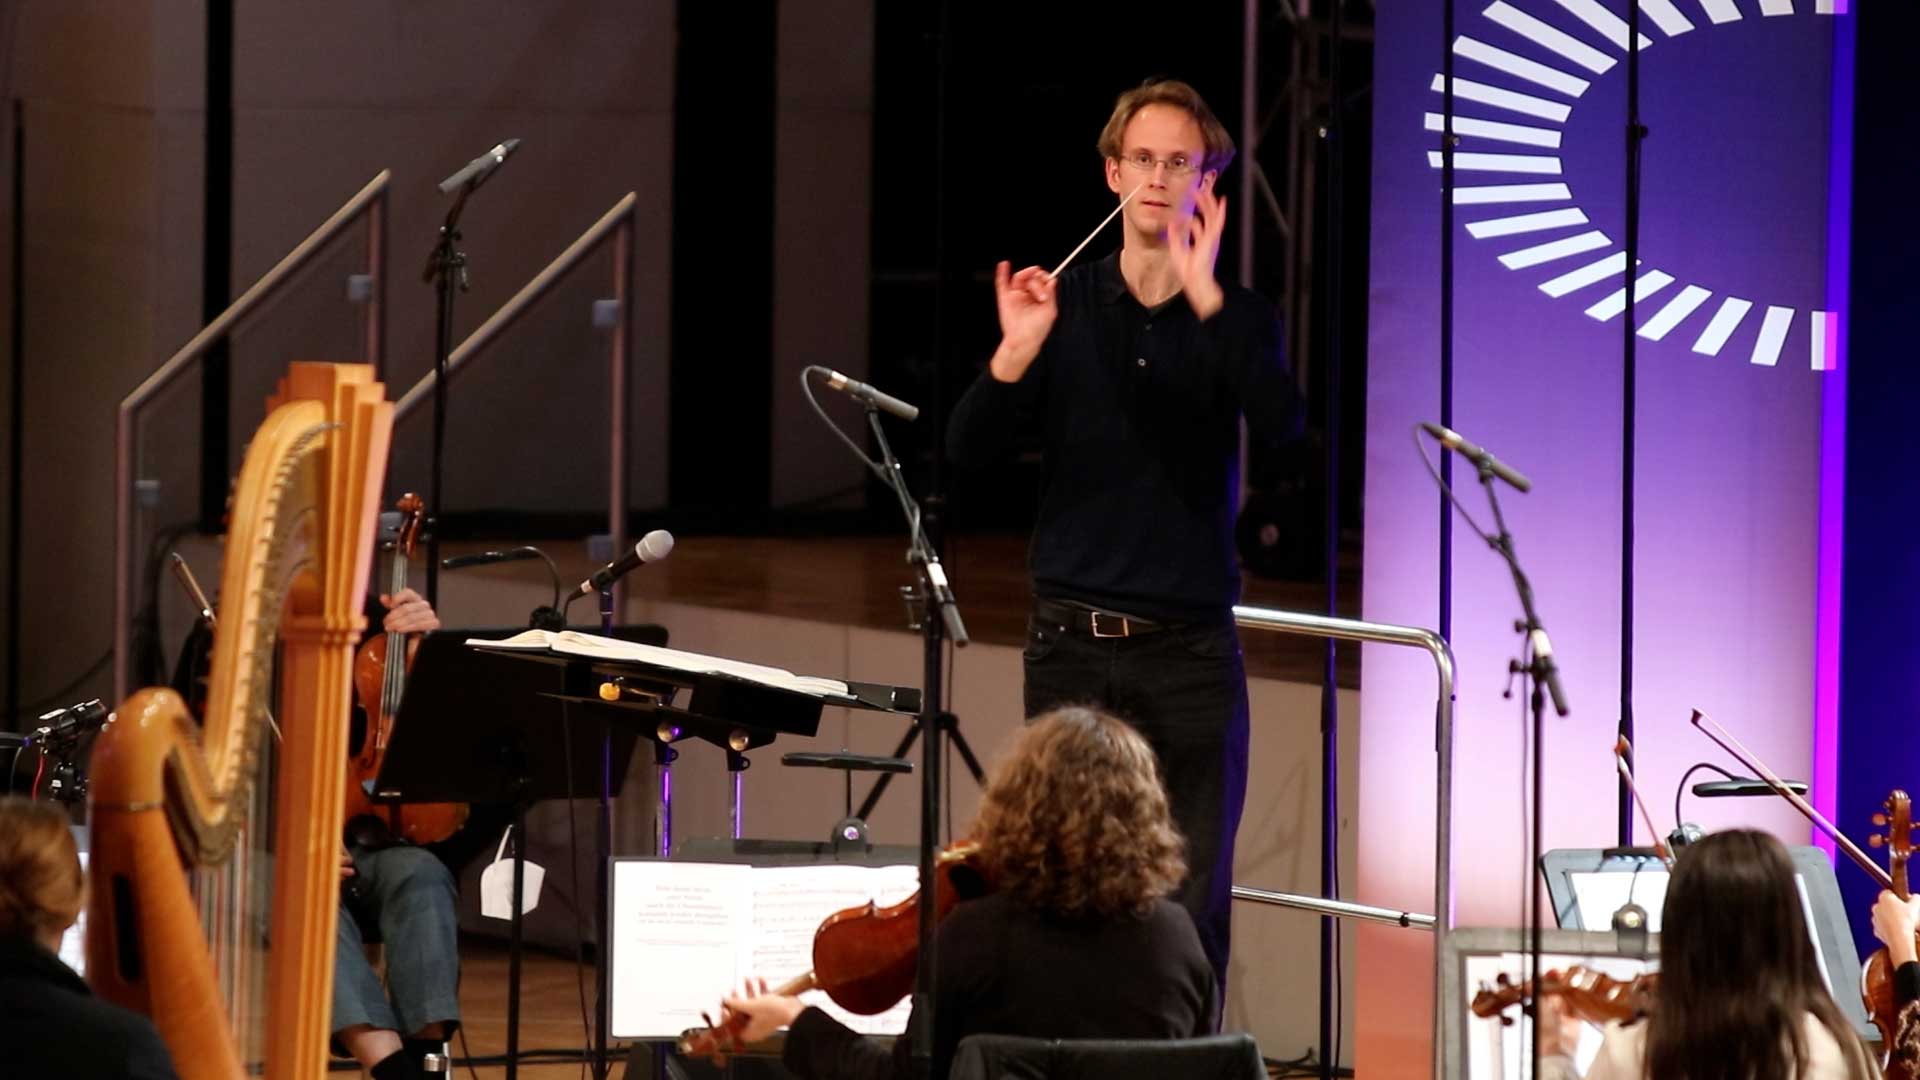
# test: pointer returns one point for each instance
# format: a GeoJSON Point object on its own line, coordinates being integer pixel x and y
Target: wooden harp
{"type": "Point", "coordinates": [169, 795]}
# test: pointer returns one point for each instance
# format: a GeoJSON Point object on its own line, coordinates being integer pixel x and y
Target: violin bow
{"type": "Point", "coordinates": [1623, 750]}
{"type": "Point", "coordinates": [1731, 745]}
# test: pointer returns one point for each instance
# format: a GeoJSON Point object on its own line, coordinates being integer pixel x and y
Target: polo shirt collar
{"type": "Point", "coordinates": [1109, 285]}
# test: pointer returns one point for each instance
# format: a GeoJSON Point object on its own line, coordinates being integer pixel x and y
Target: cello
{"type": "Point", "coordinates": [379, 677]}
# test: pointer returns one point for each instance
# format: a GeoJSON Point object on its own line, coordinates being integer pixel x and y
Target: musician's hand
{"type": "Point", "coordinates": [1559, 1028]}
{"type": "Point", "coordinates": [766, 1013]}
{"type": "Point", "coordinates": [1193, 243]}
{"type": "Point", "coordinates": [1027, 306]}
{"type": "Point", "coordinates": [408, 613]}
{"type": "Point", "coordinates": [1893, 924]}
{"type": "Point", "coordinates": [346, 864]}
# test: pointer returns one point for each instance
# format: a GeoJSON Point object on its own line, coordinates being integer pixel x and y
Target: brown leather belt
{"type": "Point", "coordinates": [1092, 621]}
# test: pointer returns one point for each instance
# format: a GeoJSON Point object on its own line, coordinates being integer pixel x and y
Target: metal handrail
{"type": "Point", "coordinates": [1328, 626]}
{"type": "Point", "coordinates": [617, 223]}
{"type": "Point", "coordinates": [1411, 920]}
{"type": "Point", "coordinates": [370, 201]}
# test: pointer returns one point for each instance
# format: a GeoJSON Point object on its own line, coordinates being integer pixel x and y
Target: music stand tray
{"type": "Point", "coordinates": [475, 726]}
{"type": "Point", "coordinates": [725, 709]}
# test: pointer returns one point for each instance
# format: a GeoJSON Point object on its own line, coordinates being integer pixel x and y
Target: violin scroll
{"type": "Point", "coordinates": [1897, 820]}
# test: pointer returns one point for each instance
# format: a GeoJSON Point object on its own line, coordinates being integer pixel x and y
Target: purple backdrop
{"type": "Point", "coordinates": [1736, 352]}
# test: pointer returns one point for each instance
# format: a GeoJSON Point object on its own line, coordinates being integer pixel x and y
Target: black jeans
{"type": "Point", "coordinates": [1185, 689]}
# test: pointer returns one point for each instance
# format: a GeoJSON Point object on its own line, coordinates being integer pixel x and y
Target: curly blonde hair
{"type": "Point", "coordinates": [41, 888]}
{"type": "Point", "coordinates": [1075, 820]}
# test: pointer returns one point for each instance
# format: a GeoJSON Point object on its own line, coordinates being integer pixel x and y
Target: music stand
{"type": "Point", "coordinates": [1646, 881]}
{"type": "Point", "coordinates": [478, 726]}
{"type": "Point", "coordinates": [667, 703]}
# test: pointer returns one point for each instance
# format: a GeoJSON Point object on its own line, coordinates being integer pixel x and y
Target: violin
{"type": "Point", "coordinates": [379, 677]}
{"type": "Point", "coordinates": [1593, 996]}
{"type": "Point", "coordinates": [1876, 979]}
{"type": "Point", "coordinates": [864, 957]}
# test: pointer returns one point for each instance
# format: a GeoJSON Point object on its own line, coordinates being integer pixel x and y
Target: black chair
{"type": "Point", "coordinates": [1008, 1057]}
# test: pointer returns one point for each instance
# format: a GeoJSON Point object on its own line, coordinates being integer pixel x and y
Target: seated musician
{"type": "Point", "coordinates": [1894, 922]}
{"type": "Point", "coordinates": [1078, 941]}
{"type": "Point", "coordinates": [1740, 991]}
{"type": "Point", "coordinates": [409, 894]}
{"type": "Point", "coordinates": [51, 1025]}
{"type": "Point", "coordinates": [406, 893]}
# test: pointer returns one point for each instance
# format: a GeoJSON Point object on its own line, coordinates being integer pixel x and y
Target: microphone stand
{"type": "Point", "coordinates": [603, 856]}
{"type": "Point", "coordinates": [1540, 677]}
{"type": "Point", "coordinates": [446, 266]}
{"type": "Point", "coordinates": [947, 625]}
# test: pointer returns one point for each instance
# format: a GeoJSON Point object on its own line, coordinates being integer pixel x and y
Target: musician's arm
{"type": "Point", "coordinates": [1621, 1050]}
{"type": "Point", "coordinates": [1894, 922]}
{"type": "Point", "coordinates": [821, 1048]}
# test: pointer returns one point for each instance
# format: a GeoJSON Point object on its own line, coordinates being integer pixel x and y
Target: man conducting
{"type": "Point", "coordinates": [1136, 371]}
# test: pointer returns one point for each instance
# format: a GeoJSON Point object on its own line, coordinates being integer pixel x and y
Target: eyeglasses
{"type": "Point", "coordinates": [1177, 165]}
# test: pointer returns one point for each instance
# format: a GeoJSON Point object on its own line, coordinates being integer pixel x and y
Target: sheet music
{"type": "Point", "coordinates": [686, 934]}
{"type": "Point", "coordinates": [1599, 895]}
{"type": "Point", "coordinates": [677, 935]}
{"type": "Point", "coordinates": [575, 643]}
{"type": "Point", "coordinates": [789, 903]}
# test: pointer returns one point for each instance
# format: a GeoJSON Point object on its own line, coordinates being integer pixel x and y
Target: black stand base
{"type": "Point", "coordinates": [950, 727]}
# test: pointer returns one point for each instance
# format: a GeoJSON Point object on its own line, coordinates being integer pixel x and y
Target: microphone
{"type": "Point", "coordinates": [475, 172]}
{"type": "Point", "coordinates": [1453, 441]}
{"type": "Point", "coordinates": [652, 548]}
{"type": "Point", "coordinates": [73, 720]}
{"type": "Point", "coordinates": [1740, 786]}
{"type": "Point", "coordinates": [488, 558]}
{"type": "Point", "coordinates": [867, 395]}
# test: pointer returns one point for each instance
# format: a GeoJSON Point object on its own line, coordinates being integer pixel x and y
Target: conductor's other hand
{"type": "Point", "coordinates": [408, 613]}
{"type": "Point", "coordinates": [1893, 924]}
{"type": "Point", "coordinates": [1027, 306]}
{"type": "Point", "coordinates": [1194, 244]}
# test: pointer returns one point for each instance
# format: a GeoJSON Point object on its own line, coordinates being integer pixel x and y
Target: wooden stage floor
{"type": "Point", "coordinates": [856, 580]}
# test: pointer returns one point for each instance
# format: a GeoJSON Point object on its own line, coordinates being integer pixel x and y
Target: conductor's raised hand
{"type": "Point", "coordinates": [1194, 245]}
{"type": "Point", "coordinates": [1027, 306]}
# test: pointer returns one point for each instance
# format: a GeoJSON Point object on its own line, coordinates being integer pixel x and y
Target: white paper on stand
{"type": "Point", "coordinates": [593, 646]}
{"type": "Point", "coordinates": [686, 934]}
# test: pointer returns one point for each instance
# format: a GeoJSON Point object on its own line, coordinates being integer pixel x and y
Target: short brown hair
{"type": "Point", "coordinates": [40, 882]}
{"type": "Point", "coordinates": [1075, 820]}
{"type": "Point", "coordinates": [1219, 144]}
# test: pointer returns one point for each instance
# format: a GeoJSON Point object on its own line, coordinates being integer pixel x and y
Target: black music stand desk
{"type": "Point", "coordinates": [476, 726]}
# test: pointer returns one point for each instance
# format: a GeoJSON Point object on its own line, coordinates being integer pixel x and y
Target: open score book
{"type": "Point", "coordinates": [595, 647]}
{"type": "Point", "coordinates": [685, 934]}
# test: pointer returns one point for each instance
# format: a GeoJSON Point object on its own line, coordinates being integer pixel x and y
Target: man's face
{"type": "Point", "coordinates": [1168, 137]}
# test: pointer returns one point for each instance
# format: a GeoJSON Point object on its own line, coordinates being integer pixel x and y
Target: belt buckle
{"type": "Point", "coordinates": [1126, 629]}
